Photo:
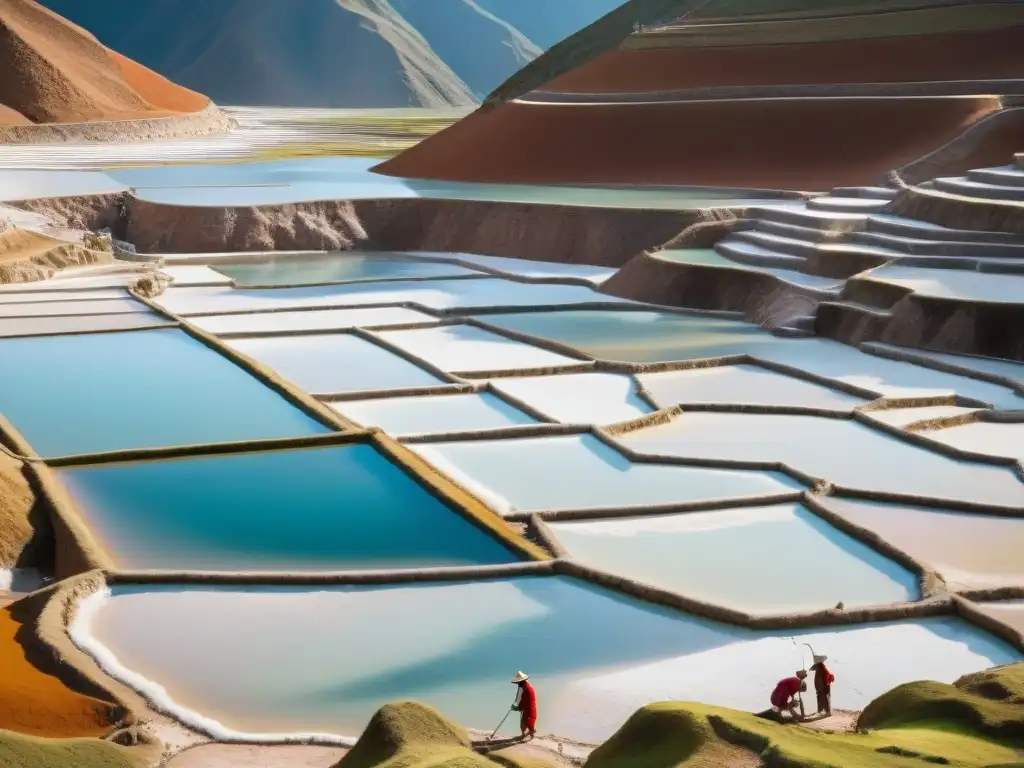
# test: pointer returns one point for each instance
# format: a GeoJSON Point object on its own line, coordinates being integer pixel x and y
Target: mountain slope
{"type": "Point", "coordinates": [334, 53]}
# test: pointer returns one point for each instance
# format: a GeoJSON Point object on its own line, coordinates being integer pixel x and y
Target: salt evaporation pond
{"type": "Point", "coordinates": [578, 398]}
{"type": "Point", "coordinates": [838, 450]}
{"type": "Point", "coordinates": [483, 293]}
{"type": "Point", "coordinates": [636, 336]}
{"type": "Point", "coordinates": [467, 348]}
{"type": "Point", "coordinates": [1010, 612]}
{"type": "Point", "coordinates": [89, 393]}
{"type": "Point", "coordinates": [904, 417]}
{"type": "Point", "coordinates": [969, 550]}
{"type": "Point", "coordinates": [339, 508]}
{"type": "Point", "coordinates": [993, 366]}
{"type": "Point", "coordinates": [432, 414]}
{"type": "Point", "coordinates": [334, 363]}
{"type": "Point", "coordinates": [581, 472]}
{"type": "Point", "coordinates": [708, 257]}
{"type": "Point", "coordinates": [314, 268]}
{"type": "Point", "coordinates": [988, 438]}
{"type": "Point", "coordinates": [528, 268]}
{"type": "Point", "coordinates": [309, 320]}
{"type": "Point", "coordinates": [14, 293]}
{"type": "Point", "coordinates": [742, 385]}
{"type": "Point", "coordinates": [648, 337]}
{"type": "Point", "coordinates": [32, 308]}
{"type": "Point", "coordinates": [735, 558]}
{"type": "Point", "coordinates": [43, 326]}
{"type": "Point", "coordinates": [594, 656]}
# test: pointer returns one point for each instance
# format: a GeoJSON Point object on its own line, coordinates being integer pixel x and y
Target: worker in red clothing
{"type": "Point", "coordinates": [823, 680]}
{"type": "Point", "coordinates": [526, 705]}
{"type": "Point", "coordinates": [786, 695]}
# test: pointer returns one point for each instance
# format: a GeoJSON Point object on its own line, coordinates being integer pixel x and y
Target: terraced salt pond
{"type": "Point", "coordinates": [988, 365]}
{"type": "Point", "coordinates": [987, 438]}
{"type": "Point", "coordinates": [432, 414]}
{"type": "Point", "coordinates": [432, 294]}
{"type": "Point", "coordinates": [743, 385]}
{"type": "Point", "coordinates": [1010, 612]}
{"type": "Point", "coordinates": [334, 363]}
{"type": "Point", "coordinates": [309, 320]}
{"type": "Point", "coordinates": [712, 556]}
{"type": "Point", "coordinates": [594, 656]}
{"type": "Point", "coordinates": [581, 472]}
{"type": "Point", "coordinates": [538, 270]}
{"type": "Point", "coordinates": [839, 450]}
{"type": "Point", "coordinates": [35, 308]}
{"type": "Point", "coordinates": [578, 398]}
{"type": "Point", "coordinates": [969, 550]}
{"type": "Point", "coordinates": [89, 393]}
{"type": "Point", "coordinates": [319, 268]}
{"type": "Point", "coordinates": [338, 508]}
{"type": "Point", "coordinates": [467, 348]}
{"type": "Point", "coordinates": [42, 326]}
{"type": "Point", "coordinates": [958, 284]}
{"type": "Point", "coordinates": [647, 337]}
{"type": "Point", "coordinates": [708, 257]}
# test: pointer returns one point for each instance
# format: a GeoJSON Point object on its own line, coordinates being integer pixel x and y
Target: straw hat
{"type": "Point", "coordinates": [820, 659]}
{"type": "Point", "coordinates": [801, 673]}
{"type": "Point", "coordinates": [520, 677]}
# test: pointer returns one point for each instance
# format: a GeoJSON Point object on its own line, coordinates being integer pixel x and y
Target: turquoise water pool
{"type": "Point", "coordinates": [111, 391]}
{"type": "Point", "coordinates": [338, 508]}
{"type": "Point", "coordinates": [307, 269]}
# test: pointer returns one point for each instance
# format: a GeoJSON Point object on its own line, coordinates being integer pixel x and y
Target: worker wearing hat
{"type": "Point", "coordinates": [526, 705]}
{"type": "Point", "coordinates": [823, 680]}
{"type": "Point", "coordinates": [787, 692]}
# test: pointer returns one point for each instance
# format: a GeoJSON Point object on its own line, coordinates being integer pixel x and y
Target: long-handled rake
{"type": "Point", "coordinates": [511, 709]}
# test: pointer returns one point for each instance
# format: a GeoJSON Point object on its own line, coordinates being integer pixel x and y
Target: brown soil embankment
{"type": "Point", "coordinates": [977, 55]}
{"type": "Point", "coordinates": [573, 235]}
{"type": "Point", "coordinates": [28, 256]}
{"type": "Point", "coordinates": [56, 72]}
{"type": "Point", "coordinates": [801, 144]}
{"type": "Point", "coordinates": [19, 514]}
{"type": "Point", "coordinates": [34, 702]}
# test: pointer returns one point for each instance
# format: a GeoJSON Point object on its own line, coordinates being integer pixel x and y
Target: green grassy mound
{"type": "Point", "coordinates": [990, 703]}
{"type": "Point", "coordinates": [697, 736]}
{"type": "Point", "coordinates": [18, 751]}
{"type": "Point", "coordinates": [405, 734]}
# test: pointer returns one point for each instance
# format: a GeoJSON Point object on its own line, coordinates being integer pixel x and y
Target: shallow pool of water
{"type": "Point", "coordinates": [19, 293]}
{"type": "Point", "coordinates": [743, 385]}
{"type": "Point", "coordinates": [957, 284]}
{"type": "Point", "coordinates": [579, 398]}
{"type": "Point", "coordinates": [731, 557]}
{"type": "Point", "coordinates": [969, 550]}
{"type": "Point", "coordinates": [593, 656]}
{"type": "Point", "coordinates": [637, 337]}
{"type": "Point", "coordinates": [433, 294]}
{"type": "Point", "coordinates": [36, 326]}
{"type": "Point", "coordinates": [313, 268]}
{"type": "Point", "coordinates": [310, 320]}
{"type": "Point", "coordinates": [334, 363]}
{"type": "Point", "coordinates": [109, 391]}
{"type": "Point", "coordinates": [33, 308]}
{"type": "Point", "coordinates": [1009, 612]}
{"type": "Point", "coordinates": [338, 508]}
{"type": "Point", "coordinates": [987, 438]}
{"type": "Point", "coordinates": [991, 365]}
{"type": "Point", "coordinates": [904, 417]}
{"type": "Point", "coordinates": [431, 414]}
{"type": "Point", "coordinates": [839, 450]}
{"type": "Point", "coordinates": [468, 348]}
{"type": "Point", "coordinates": [580, 471]}
{"type": "Point", "coordinates": [528, 268]}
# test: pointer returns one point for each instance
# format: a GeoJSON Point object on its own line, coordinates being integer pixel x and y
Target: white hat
{"type": "Point", "coordinates": [820, 659]}
{"type": "Point", "coordinates": [520, 677]}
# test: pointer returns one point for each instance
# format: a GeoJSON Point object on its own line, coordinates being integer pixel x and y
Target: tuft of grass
{"type": "Point", "coordinates": [19, 751]}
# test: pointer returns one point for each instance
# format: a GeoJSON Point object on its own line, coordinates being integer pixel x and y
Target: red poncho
{"type": "Point", "coordinates": [526, 703]}
{"type": "Point", "coordinates": [785, 690]}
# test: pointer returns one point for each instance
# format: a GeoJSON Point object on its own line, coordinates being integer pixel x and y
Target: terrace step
{"type": "Point", "coordinates": [755, 255]}
{"type": "Point", "coordinates": [942, 248]}
{"type": "Point", "coordinates": [795, 231]}
{"type": "Point", "coordinates": [1018, 159]}
{"type": "Point", "coordinates": [846, 204]}
{"type": "Point", "coordinates": [850, 321]}
{"type": "Point", "coordinates": [803, 323]}
{"type": "Point", "coordinates": [961, 185]}
{"type": "Point", "coordinates": [873, 193]}
{"type": "Point", "coordinates": [807, 249]}
{"type": "Point", "coordinates": [802, 216]}
{"type": "Point", "coordinates": [912, 228]}
{"type": "Point", "coordinates": [1006, 175]}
